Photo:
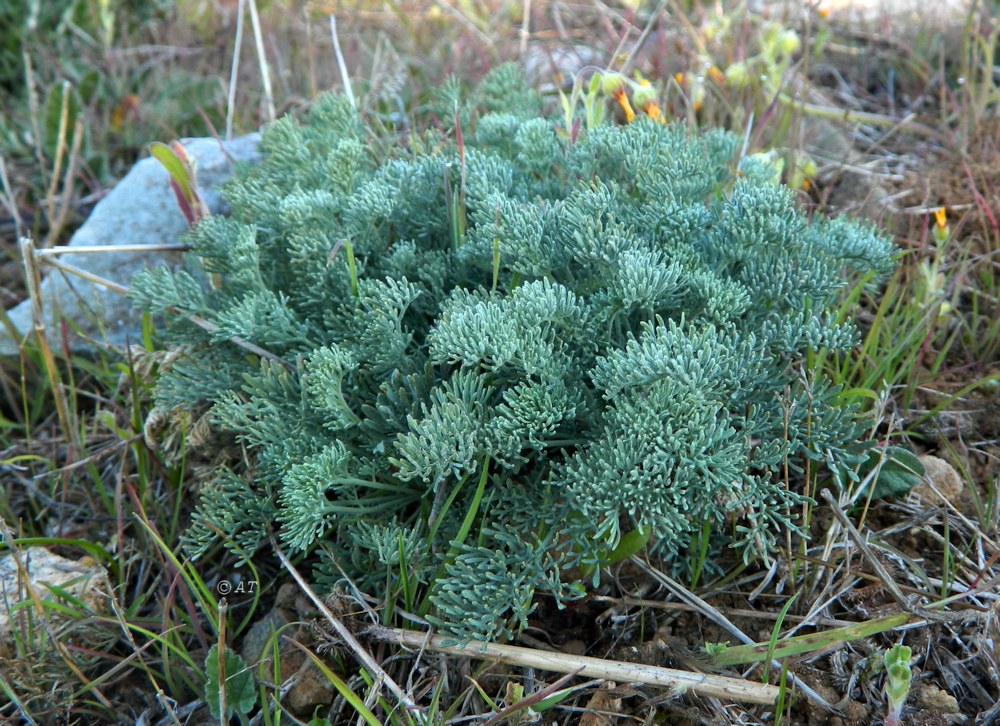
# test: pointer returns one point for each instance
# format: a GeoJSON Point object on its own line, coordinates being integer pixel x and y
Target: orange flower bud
{"type": "Point", "coordinates": [941, 230]}
{"type": "Point", "coordinates": [624, 103]}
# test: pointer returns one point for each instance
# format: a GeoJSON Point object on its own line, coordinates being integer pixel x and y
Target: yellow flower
{"type": "Point", "coordinates": [624, 103]}
{"type": "Point", "coordinates": [653, 111]}
{"type": "Point", "coordinates": [716, 75]}
{"type": "Point", "coordinates": [941, 230]}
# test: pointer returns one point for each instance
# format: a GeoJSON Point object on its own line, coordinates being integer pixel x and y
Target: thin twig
{"type": "Point", "coordinates": [736, 612]}
{"type": "Point", "coordinates": [93, 458]}
{"type": "Point", "coordinates": [221, 653]}
{"type": "Point", "coordinates": [33, 279]}
{"type": "Point", "coordinates": [344, 76]}
{"type": "Point", "coordinates": [525, 27]}
{"type": "Point", "coordinates": [637, 46]}
{"type": "Point", "coordinates": [86, 275]}
{"type": "Point", "coordinates": [529, 701]}
{"type": "Point", "coordinates": [883, 575]}
{"type": "Point", "coordinates": [234, 74]}
{"type": "Point", "coordinates": [50, 193]}
{"type": "Point", "coordinates": [34, 111]}
{"type": "Point", "coordinates": [57, 222]}
{"type": "Point", "coordinates": [9, 200]}
{"type": "Point", "coordinates": [374, 669]}
{"type": "Point", "coordinates": [703, 684]}
{"type": "Point", "coordinates": [265, 71]}
{"type": "Point", "coordinates": [205, 325]}
{"type": "Point", "coordinates": [103, 249]}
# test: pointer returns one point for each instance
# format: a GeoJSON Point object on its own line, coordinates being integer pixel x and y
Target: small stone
{"type": "Point", "coordinates": [603, 708]}
{"type": "Point", "coordinates": [257, 643]}
{"type": "Point", "coordinates": [937, 700]}
{"type": "Point", "coordinates": [311, 689]}
{"type": "Point", "coordinates": [83, 580]}
{"type": "Point", "coordinates": [856, 713]}
{"type": "Point", "coordinates": [945, 479]}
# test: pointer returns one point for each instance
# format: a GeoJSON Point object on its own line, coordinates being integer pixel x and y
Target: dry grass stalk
{"type": "Point", "coordinates": [702, 684]}
{"type": "Point", "coordinates": [359, 652]}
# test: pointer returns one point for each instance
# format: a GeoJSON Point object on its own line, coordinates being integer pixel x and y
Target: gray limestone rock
{"type": "Point", "coordinates": [141, 209]}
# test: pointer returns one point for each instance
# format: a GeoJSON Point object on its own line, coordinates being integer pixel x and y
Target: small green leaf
{"type": "Point", "coordinates": [898, 676]}
{"type": "Point", "coordinates": [174, 165]}
{"type": "Point", "coordinates": [900, 471]}
{"type": "Point", "coordinates": [241, 695]}
{"type": "Point", "coordinates": [595, 83]}
{"type": "Point", "coordinates": [556, 698]}
{"type": "Point", "coordinates": [89, 83]}
{"type": "Point", "coordinates": [183, 181]}
{"type": "Point", "coordinates": [630, 544]}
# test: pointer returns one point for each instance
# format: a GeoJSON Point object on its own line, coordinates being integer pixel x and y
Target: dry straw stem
{"type": "Point", "coordinates": [345, 77]}
{"type": "Point", "coordinates": [9, 199]}
{"type": "Point", "coordinates": [58, 215]}
{"type": "Point", "coordinates": [265, 72]}
{"type": "Point", "coordinates": [382, 679]}
{"type": "Point", "coordinates": [634, 602]}
{"type": "Point", "coordinates": [234, 74]}
{"type": "Point", "coordinates": [47, 256]}
{"type": "Point", "coordinates": [33, 278]}
{"type": "Point", "coordinates": [102, 249]}
{"type": "Point", "coordinates": [58, 211]}
{"type": "Point", "coordinates": [702, 684]}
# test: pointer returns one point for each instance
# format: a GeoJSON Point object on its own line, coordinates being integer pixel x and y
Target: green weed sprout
{"type": "Point", "coordinates": [897, 682]}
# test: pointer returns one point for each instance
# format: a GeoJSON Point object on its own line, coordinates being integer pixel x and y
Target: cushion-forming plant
{"type": "Point", "coordinates": [503, 347]}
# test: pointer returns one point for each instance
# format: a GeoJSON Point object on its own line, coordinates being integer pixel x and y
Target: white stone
{"type": "Point", "coordinates": [84, 580]}
{"type": "Point", "coordinates": [141, 209]}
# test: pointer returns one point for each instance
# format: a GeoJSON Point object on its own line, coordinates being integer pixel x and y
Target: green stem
{"type": "Point", "coordinates": [811, 643]}
{"type": "Point", "coordinates": [351, 267]}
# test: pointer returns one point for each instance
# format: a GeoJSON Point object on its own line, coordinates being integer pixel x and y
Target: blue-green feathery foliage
{"type": "Point", "coordinates": [612, 325]}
